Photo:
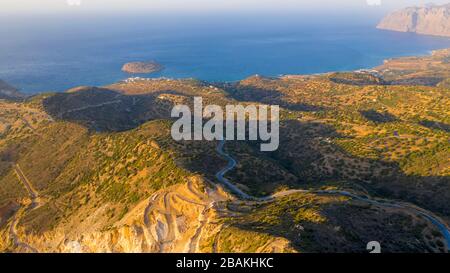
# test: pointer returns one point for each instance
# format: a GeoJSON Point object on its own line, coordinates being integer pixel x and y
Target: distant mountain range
{"type": "Point", "coordinates": [430, 20]}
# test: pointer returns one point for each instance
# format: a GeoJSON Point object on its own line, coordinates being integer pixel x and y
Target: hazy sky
{"type": "Point", "coordinates": [31, 6]}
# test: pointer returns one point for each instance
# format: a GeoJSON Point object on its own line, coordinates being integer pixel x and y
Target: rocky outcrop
{"type": "Point", "coordinates": [180, 219]}
{"type": "Point", "coordinates": [429, 20]}
{"type": "Point", "coordinates": [142, 67]}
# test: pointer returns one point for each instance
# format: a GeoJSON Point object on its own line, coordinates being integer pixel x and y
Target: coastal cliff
{"type": "Point", "coordinates": [428, 20]}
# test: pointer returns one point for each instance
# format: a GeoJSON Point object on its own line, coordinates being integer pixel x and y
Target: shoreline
{"type": "Point", "coordinates": [428, 53]}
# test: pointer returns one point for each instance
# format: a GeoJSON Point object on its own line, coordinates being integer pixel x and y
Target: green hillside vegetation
{"type": "Point", "coordinates": [314, 223]}
{"type": "Point", "coordinates": [95, 155]}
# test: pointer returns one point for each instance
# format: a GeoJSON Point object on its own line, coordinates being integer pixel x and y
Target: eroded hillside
{"type": "Point", "coordinates": [96, 170]}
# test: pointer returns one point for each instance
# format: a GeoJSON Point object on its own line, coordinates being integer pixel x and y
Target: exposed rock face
{"type": "Point", "coordinates": [429, 20]}
{"type": "Point", "coordinates": [142, 67]}
{"type": "Point", "coordinates": [9, 92]}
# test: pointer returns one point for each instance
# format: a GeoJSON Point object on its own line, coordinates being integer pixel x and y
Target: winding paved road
{"type": "Point", "coordinates": [232, 164]}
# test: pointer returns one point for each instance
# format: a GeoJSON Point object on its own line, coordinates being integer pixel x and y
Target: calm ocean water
{"type": "Point", "coordinates": [55, 53]}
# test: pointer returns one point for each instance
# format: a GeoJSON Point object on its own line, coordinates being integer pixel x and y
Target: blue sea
{"type": "Point", "coordinates": [56, 52]}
